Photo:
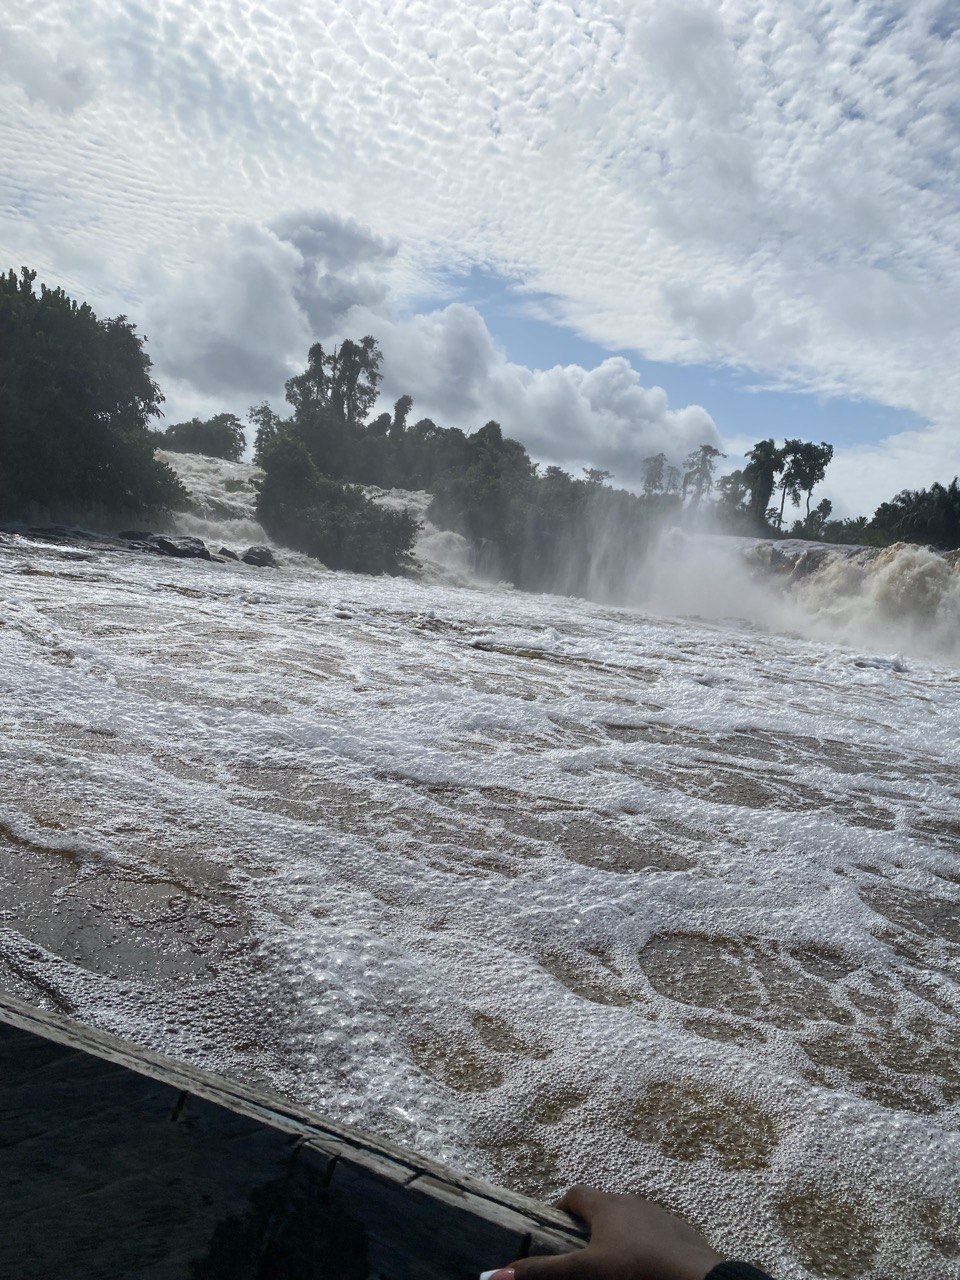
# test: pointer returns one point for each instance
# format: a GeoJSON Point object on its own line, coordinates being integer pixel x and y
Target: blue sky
{"type": "Point", "coordinates": [736, 399]}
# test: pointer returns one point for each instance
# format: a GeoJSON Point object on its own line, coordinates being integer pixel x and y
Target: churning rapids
{"type": "Point", "coordinates": [548, 889]}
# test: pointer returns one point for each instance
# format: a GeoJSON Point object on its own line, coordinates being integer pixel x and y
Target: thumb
{"type": "Point", "coordinates": [557, 1267]}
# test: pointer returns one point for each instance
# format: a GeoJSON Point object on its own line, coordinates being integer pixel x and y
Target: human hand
{"type": "Point", "coordinates": [630, 1239]}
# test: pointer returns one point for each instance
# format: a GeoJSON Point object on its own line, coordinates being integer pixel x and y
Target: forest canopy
{"type": "Point", "coordinates": [76, 399]}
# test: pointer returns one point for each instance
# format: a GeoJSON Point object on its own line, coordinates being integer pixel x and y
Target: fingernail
{"type": "Point", "coordinates": [503, 1273]}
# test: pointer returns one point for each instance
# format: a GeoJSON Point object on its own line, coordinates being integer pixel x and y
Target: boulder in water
{"type": "Point", "coordinates": [181, 548]}
{"type": "Point", "coordinates": [135, 535]}
{"type": "Point", "coordinates": [261, 557]}
{"type": "Point", "coordinates": [228, 554]}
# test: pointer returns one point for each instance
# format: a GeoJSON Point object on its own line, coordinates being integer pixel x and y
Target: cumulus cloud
{"type": "Point", "coordinates": [240, 317]}
{"type": "Point", "coordinates": [232, 325]}
{"type": "Point", "coordinates": [568, 415]}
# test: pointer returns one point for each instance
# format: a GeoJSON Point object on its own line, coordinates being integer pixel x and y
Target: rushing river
{"type": "Point", "coordinates": [549, 890]}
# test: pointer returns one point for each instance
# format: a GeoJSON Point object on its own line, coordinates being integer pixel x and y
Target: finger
{"type": "Point", "coordinates": [559, 1267]}
{"type": "Point", "coordinates": [583, 1201]}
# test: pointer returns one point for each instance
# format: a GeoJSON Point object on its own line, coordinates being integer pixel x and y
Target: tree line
{"type": "Point", "coordinates": [540, 529]}
{"type": "Point", "coordinates": [77, 399]}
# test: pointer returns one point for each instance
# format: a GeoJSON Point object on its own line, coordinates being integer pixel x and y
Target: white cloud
{"type": "Point", "coordinates": [238, 319]}
{"type": "Point", "coordinates": [568, 415]}
{"type": "Point", "coordinates": [859, 479]}
{"type": "Point", "coordinates": [51, 78]}
{"type": "Point", "coordinates": [762, 183]}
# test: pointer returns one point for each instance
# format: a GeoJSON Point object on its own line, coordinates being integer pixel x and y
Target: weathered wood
{"type": "Point", "coordinates": [118, 1162]}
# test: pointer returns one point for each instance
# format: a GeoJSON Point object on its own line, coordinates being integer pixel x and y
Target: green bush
{"type": "Point", "coordinates": [335, 522]}
{"type": "Point", "coordinates": [76, 397]}
{"type": "Point", "coordinates": [218, 437]}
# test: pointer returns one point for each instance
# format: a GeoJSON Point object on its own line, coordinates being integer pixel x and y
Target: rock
{"type": "Point", "coordinates": [261, 557]}
{"type": "Point", "coordinates": [228, 554]}
{"type": "Point", "coordinates": [50, 532]}
{"type": "Point", "coordinates": [181, 548]}
{"type": "Point", "coordinates": [135, 535]}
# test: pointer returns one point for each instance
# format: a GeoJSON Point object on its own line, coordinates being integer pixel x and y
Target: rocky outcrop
{"type": "Point", "coordinates": [261, 557]}
{"type": "Point", "coordinates": [145, 542]}
{"type": "Point", "coordinates": [182, 548]}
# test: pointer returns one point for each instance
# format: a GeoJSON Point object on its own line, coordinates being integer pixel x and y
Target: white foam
{"type": "Point", "coordinates": [484, 871]}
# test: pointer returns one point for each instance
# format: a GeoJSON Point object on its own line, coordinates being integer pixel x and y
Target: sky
{"type": "Point", "coordinates": [616, 226]}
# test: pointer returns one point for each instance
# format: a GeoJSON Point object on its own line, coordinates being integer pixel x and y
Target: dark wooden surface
{"type": "Point", "coordinates": [118, 1162]}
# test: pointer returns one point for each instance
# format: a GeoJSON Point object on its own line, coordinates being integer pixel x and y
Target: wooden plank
{"type": "Point", "coordinates": [142, 1143]}
{"type": "Point", "coordinates": [124, 1177]}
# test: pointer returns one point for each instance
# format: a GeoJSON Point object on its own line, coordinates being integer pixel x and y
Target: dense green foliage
{"type": "Point", "coordinates": [333, 521]}
{"type": "Point", "coordinates": [218, 437]}
{"type": "Point", "coordinates": [541, 531]}
{"type": "Point", "coordinates": [76, 398]}
{"type": "Point", "coordinates": [303, 500]}
{"type": "Point", "coordinates": [930, 516]}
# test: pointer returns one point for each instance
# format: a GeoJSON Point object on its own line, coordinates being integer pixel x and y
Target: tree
{"type": "Point", "coordinates": [764, 465]}
{"type": "Point", "coordinates": [267, 424]}
{"type": "Point", "coordinates": [546, 532]}
{"type": "Point", "coordinates": [354, 371]}
{"type": "Point", "coordinates": [218, 437]}
{"type": "Point", "coordinates": [699, 468]}
{"type": "Point", "coordinates": [734, 491]}
{"type": "Point", "coordinates": [401, 411]}
{"type": "Point", "coordinates": [653, 474]}
{"type": "Point", "coordinates": [790, 476]}
{"type": "Point", "coordinates": [814, 522]}
{"type": "Point", "coordinates": [76, 400]}
{"type": "Point", "coordinates": [803, 467]}
{"type": "Point", "coordinates": [810, 466]}
{"type": "Point", "coordinates": [331, 400]}
{"type": "Point", "coordinates": [310, 390]}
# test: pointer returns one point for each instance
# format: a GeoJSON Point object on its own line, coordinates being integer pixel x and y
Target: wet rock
{"type": "Point", "coordinates": [181, 548]}
{"type": "Point", "coordinates": [227, 554]}
{"type": "Point", "coordinates": [50, 532]}
{"type": "Point", "coordinates": [259, 556]}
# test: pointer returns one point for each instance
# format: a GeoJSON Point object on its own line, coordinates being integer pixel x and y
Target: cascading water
{"type": "Point", "coordinates": [549, 889]}
{"type": "Point", "coordinates": [900, 597]}
{"type": "Point", "coordinates": [223, 500]}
